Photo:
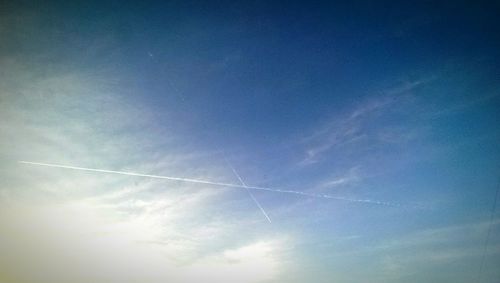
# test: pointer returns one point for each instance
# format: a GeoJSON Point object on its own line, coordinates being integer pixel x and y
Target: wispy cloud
{"type": "Point", "coordinates": [352, 176]}
{"type": "Point", "coordinates": [355, 125]}
{"type": "Point", "coordinates": [111, 224]}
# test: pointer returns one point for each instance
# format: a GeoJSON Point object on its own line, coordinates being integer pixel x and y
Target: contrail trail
{"type": "Point", "coordinates": [248, 190]}
{"type": "Point", "coordinates": [211, 183]}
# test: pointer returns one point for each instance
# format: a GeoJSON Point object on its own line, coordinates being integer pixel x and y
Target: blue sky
{"type": "Point", "coordinates": [370, 103]}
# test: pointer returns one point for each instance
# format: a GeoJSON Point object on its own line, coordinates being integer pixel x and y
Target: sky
{"type": "Point", "coordinates": [257, 141]}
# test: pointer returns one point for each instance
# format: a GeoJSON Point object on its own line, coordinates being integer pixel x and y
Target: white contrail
{"type": "Point", "coordinates": [249, 192]}
{"type": "Point", "coordinates": [211, 183]}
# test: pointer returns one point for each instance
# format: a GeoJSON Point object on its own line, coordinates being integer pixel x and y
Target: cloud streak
{"type": "Point", "coordinates": [357, 125]}
{"type": "Point", "coordinates": [249, 192]}
{"type": "Point", "coordinates": [367, 201]}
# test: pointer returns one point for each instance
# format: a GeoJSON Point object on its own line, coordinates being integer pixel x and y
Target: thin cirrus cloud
{"type": "Point", "coordinates": [357, 125]}
{"type": "Point", "coordinates": [351, 177]}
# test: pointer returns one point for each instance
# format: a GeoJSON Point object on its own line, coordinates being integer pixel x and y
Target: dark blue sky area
{"type": "Point", "coordinates": [273, 62]}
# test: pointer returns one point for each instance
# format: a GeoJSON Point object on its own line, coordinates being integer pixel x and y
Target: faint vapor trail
{"type": "Point", "coordinates": [248, 190]}
{"type": "Point", "coordinates": [211, 183]}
